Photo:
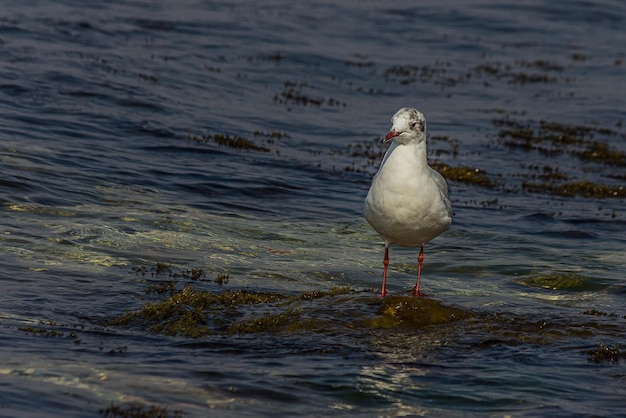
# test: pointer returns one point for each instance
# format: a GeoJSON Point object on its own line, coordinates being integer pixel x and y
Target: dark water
{"type": "Point", "coordinates": [104, 172]}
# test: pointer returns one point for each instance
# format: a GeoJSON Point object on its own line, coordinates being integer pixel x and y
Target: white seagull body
{"type": "Point", "coordinates": [407, 203]}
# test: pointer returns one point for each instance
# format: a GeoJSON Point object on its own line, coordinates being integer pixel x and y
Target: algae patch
{"type": "Point", "coordinates": [185, 310]}
{"type": "Point", "coordinates": [293, 94]}
{"type": "Point", "coordinates": [138, 410]}
{"type": "Point", "coordinates": [178, 306]}
{"type": "Point", "coordinates": [587, 144]}
{"type": "Point", "coordinates": [562, 281]}
{"type": "Point", "coordinates": [413, 312]}
{"type": "Point", "coordinates": [50, 328]}
{"type": "Point", "coordinates": [462, 174]}
{"type": "Point", "coordinates": [603, 353]}
{"type": "Point", "coordinates": [230, 141]}
{"type": "Point", "coordinates": [194, 313]}
{"type": "Point", "coordinates": [582, 188]}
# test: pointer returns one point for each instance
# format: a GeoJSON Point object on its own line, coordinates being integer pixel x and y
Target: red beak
{"type": "Point", "coordinates": [390, 136]}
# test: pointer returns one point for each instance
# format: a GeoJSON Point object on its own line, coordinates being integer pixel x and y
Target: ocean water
{"type": "Point", "coordinates": [228, 147]}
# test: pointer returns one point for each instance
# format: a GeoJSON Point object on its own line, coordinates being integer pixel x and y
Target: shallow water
{"type": "Point", "coordinates": [105, 173]}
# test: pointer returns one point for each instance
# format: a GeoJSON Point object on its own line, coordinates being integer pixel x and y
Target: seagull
{"type": "Point", "coordinates": [407, 203]}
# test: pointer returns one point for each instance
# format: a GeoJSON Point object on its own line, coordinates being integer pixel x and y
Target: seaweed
{"type": "Point", "coordinates": [138, 410]}
{"type": "Point", "coordinates": [230, 141]}
{"type": "Point", "coordinates": [603, 353]}
{"type": "Point", "coordinates": [581, 188]}
{"type": "Point", "coordinates": [412, 312]}
{"type": "Point", "coordinates": [191, 312]}
{"type": "Point", "coordinates": [554, 138]}
{"type": "Point", "coordinates": [292, 94]}
{"type": "Point", "coordinates": [562, 281]}
{"type": "Point", "coordinates": [467, 175]}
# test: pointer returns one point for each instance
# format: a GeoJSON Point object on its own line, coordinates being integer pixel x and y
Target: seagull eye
{"type": "Point", "coordinates": [418, 124]}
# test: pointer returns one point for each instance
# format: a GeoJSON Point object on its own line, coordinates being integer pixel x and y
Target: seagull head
{"type": "Point", "coordinates": [408, 125]}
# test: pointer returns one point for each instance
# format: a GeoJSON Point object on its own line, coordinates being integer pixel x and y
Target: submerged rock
{"type": "Point", "coordinates": [414, 312]}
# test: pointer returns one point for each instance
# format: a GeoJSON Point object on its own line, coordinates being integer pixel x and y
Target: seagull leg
{"type": "Point", "coordinates": [420, 258]}
{"type": "Point", "coordinates": [383, 290]}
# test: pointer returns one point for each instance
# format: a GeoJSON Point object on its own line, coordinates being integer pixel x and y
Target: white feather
{"type": "Point", "coordinates": [407, 203]}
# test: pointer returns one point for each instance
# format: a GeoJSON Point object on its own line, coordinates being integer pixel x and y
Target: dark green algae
{"type": "Point", "coordinates": [192, 312]}
{"type": "Point", "coordinates": [603, 354]}
{"type": "Point", "coordinates": [180, 305]}
{"type": "Point", "coordinates": [555, 139]}
{"type": "Point", "coordinates": [182, 308]}
{"type": "Point", "coordinates": [139, 410]}
{"type": "Point", "coordinates": [562, 281]}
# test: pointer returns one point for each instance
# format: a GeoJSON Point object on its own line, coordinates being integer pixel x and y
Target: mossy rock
{"type": "Point", "coordinates": [416, 312]}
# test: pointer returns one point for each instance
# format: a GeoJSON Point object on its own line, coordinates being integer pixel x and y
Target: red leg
{"type": "Point", "coordinates": [383, 290]}
{"type": "Point", "coordinates": [420, 258]}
